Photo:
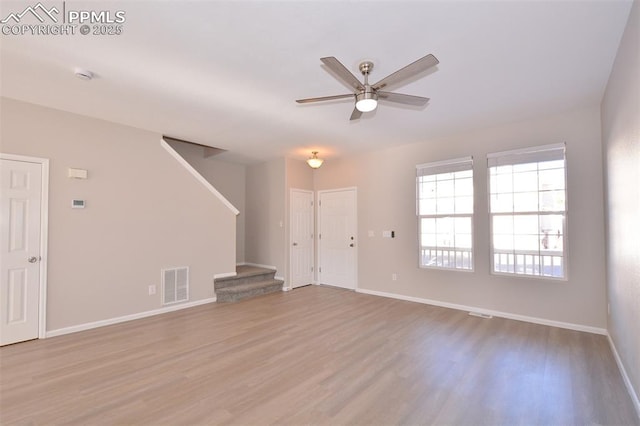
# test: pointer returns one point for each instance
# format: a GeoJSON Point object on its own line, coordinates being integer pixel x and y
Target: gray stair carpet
{"type": "Point", "coordinates": [250, 281]}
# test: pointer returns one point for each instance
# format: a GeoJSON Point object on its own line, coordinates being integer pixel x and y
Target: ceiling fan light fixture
{"type": "Point", "coordinates": [314, 162]}
{"type": "Point", "coordinates": [366, 101]}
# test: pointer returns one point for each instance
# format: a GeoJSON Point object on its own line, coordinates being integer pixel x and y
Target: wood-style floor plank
{"type": "Point", "coordinates": [315, 355]}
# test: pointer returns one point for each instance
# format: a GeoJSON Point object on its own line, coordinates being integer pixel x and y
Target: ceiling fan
{"type": "Point", "coordinates": [367, 95]}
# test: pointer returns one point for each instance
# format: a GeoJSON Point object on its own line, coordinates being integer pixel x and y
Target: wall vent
{"type": "Point", "coordinates": [175, 285]}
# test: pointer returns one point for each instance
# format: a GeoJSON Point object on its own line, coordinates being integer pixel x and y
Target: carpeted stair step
{"type": "Point", "coordinates": [237, 292]}
{"type": "Point", "coordinates": [249, 281]}
{"type": "Point", "coordinates": [245, 275]}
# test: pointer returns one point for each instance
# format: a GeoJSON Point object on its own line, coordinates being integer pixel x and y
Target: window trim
{"type": "Point", "coordinates": [446, 166]}
{"type": "Point", "coordinates": [565, 236]}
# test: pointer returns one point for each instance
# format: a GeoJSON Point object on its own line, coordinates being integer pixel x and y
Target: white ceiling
{"type": "Point", "coordinates": [226, 73]}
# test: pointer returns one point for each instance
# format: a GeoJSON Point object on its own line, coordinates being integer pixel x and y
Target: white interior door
{"type": "Point", "coordinates": [301, 236]}
{"type": "Point", "coordinates": [337, 238]}
{"type": "Point", "coordinates": [20, 205]}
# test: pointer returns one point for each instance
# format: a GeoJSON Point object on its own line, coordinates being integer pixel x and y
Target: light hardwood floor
{"type": "Point", "coordinates": [315, 355]}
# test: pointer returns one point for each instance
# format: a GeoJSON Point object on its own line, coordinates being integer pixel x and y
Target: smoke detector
{"type": "Point", "coordinates": [83, 74]}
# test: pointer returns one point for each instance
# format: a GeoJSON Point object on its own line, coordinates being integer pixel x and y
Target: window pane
{"type": "Point", "coordinates": [525, 202]}
{"type": "Point", "coordinates": [445, 188]}
{"type": "Point", "coordinates": [526, 242]}
{"type": "Point", "coordinates": [445, 204]}
{"type": "Point", "coordinates": [463, 241]}
{"type": "Point", "coordinates": [503, 242]}
{"type": "Point", "coordinates": [427, 206]}
{"type": "Point", "coordinates": [428, 240]}
{"type": "Point", "coordinates": [501, 183]}
{"type": "Point", "coordinates": [428, 225]}
{"type": "Point", "coordinates": [444, 225]}
{"type": "Point", "coordinates": [464, 205]}
{"type": "Point", "coordinates": [526, 181]}
{"type": "Point", "coordinates": [464, 187]}
{"type": "Point", "coordinates": [526, 224]}
{"type": "Point", "coordinates": [501, 203]}
{"type": "Point", "coordinates": [503, 225]}
{"type": "Point", "coordinates": [526, 239]}
{"type": "Point", "coordinates": [428, 190]}
{"type": "Point", "coordinates": [462, 225]}
{"type": "Point", "coordinates": [552, 223]}
{"type": "Point", "coordinates": [551, 179]}
{"type": "Point", "coordinates": [552, 200]}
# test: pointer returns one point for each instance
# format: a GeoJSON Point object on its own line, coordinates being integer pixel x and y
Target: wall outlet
{"type": "Point", "coordinates": [394, 277]}
{"type": "Point", "coordinates": [152, 290]}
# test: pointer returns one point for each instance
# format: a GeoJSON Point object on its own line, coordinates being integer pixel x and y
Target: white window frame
{"type": "Point", "coordinates": [434, 168]}
{"type": "Point", "coordinates": [524, 156]}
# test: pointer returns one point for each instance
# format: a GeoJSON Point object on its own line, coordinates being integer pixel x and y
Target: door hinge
{"type": "Point", "coordinates": [319, 236]}
{"type": "Point", "coordinates": [312, 269]}
{"type": "Point", "coordinates": [320, 269]}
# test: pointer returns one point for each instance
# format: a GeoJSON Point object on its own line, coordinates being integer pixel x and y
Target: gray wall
{"type": "Point", "coordinates": [265, 220]}
{"type": "Point", "coordinates": [228, 178]}
{"type": "Point", "coordinates": [621, 145]}
{"type": "Point", "coordinates": [386, 201]}
{"type": "Point", "coordinates": [144, 212]}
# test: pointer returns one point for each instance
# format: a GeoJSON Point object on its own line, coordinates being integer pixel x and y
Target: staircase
{"type": "Point", "coordinates": [250, 281]}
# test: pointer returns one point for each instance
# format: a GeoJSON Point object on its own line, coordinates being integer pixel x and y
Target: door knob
{"type": "Point", "coordinates": [295, 244]}
{"type": "Point", "coordinates": [351, 245]}
{"type": "Point", "coordinates": [33, 259]}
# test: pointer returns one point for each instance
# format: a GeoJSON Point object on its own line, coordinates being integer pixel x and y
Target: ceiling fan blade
{"type": "Point", "coordinates": [355, 114]}
{"type": "Point", "coordinates": [410, 70]}
{"type": "Point", "coordinates": [324, 98]}
{"type": "Point", "coordinates": [402, 98]}
{"type": "Point", "coordinates": [341, 71]}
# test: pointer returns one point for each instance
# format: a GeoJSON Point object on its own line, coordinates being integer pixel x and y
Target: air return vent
{"type": "Point", "coordinates": [175, 285]}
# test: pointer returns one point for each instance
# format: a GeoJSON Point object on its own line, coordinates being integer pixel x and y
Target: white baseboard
{"type": "Point", "coordinates": [534, 320]}
{"type": "Point", "coordinates": [117, 320]}
{"type": "Point", "coordinates": [625, 377]}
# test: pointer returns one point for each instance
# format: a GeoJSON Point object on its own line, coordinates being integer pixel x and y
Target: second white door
{"type": "Point", "coordinates": [337, 238]}
{"type": "Point", "coordinates": [301, 235]}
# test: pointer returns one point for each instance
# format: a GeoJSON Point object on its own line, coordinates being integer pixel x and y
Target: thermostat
{"type": "Point", "coordinates": [77, 204]}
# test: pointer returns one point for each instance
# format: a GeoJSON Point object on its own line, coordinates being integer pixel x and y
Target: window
{"type": "Point", "coordinates": [528, 211]}
{"type": "Point", "coordinates": [445, 214]}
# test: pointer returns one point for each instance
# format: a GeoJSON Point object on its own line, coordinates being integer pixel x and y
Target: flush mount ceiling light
{"type": "Point", "coordinates": [314, 162]}
{"type": "Point", "coordinates": [83, 74]}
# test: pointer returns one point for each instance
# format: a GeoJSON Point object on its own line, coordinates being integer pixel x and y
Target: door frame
{"type": "Point", "coordinates": [44, 234]}
{"type": "Point", "coordinates": [319, 230]}
{"type": "Point", "coordinates": [313, 231]}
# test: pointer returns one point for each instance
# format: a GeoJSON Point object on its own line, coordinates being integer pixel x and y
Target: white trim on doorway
{"type": "Point", "coordinates": [44, 235]}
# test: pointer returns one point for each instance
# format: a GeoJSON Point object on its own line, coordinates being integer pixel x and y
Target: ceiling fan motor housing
{"type": "Point", "coordinates": [367, 99]}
